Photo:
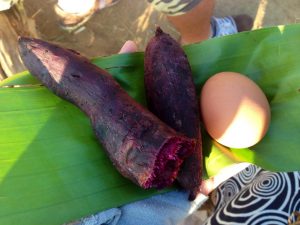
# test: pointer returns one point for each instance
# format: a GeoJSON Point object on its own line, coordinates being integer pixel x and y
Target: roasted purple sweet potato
{"type": "Point", "coordinates": [171, 95]}
{"type": "Point", "coordinates": [142, 148]}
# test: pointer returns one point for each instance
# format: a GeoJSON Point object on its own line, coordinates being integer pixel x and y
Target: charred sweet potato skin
{"type": "Point", "coordinates": [135, 140]}
{"type": "Point", "coordinates": [171, 95]}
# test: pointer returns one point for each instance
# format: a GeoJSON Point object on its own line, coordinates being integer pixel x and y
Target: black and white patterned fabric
{"type": "Point", "coordinates": [174, 7]}
{"type": "Point", "coordinates": [255, 196]}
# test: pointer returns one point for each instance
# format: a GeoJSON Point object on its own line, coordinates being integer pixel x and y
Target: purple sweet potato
{"type": "Point", "coordinates": [141, 147]}
{"type": "Point", "coordinates": [171, 95]}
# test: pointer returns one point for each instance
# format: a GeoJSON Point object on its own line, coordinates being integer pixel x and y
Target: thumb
{"type": "Point", "coordinates": [129, 46]}
{"type": "Point", "coordinates": [212, 183]}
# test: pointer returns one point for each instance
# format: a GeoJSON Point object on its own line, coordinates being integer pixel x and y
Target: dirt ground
{"type": "Point", "coordinates": [108, 29]}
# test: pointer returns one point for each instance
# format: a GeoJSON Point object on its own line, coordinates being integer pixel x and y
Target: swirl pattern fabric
{"type": "Point", "coordinates": [255, 196]}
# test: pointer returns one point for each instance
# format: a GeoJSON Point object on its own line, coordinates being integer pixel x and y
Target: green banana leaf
{"type": "Point", "coordinates": [52, 169]}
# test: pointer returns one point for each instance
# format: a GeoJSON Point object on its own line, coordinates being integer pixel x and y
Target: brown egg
{"type": "Point", "coordinates": [235, 111]}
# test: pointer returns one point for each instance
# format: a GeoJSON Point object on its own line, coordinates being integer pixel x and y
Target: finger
{"type": "Point", "coordinates": [129, 46]}
{"type": "Point", "coordinates": [212, 183]}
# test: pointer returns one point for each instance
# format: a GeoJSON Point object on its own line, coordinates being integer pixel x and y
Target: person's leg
{"type": "Point", "coordinates": [76, 6]}
{"type": "Point", "coordinates": [6, 4]}
{"type": "Point", "coordinates": [195, 22]}
{"type": "Point", "coordinates": [194, 25]}
{"type": "Point", "coordinates": [73, 14]}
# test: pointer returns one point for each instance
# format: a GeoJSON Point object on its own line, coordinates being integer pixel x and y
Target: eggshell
{"type": "Point", "coordinates": [234, 109]}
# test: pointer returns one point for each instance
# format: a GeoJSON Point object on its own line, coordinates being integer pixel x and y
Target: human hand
{"type": "Point", "coordinates": [212, 183]}
{"type": "Point", "coordinates": [129, 46]}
